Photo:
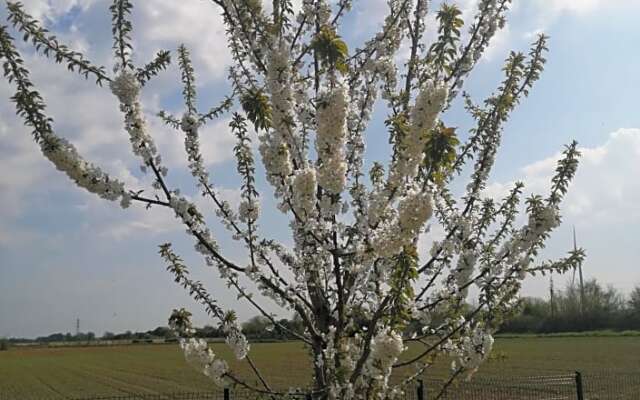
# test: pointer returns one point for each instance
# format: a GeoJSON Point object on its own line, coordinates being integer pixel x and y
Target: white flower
{"type": "Point", "coordinates": [386, 348]}
{"type": "Point", "coordinates": [87, 176]}
{"type": "Point", "coordinates": [330, 140]}
{"type": "Point", "coordinates": [197, 353]}
{"type": "Point", "coordinates": [216, 371]}
{"type": "Point", "coordinates": [236, 340]}
{"type": "Point", "coordinates": [332, 175]}
{"type": "Point", "coordinates": [413, 211]}
{"type": "Point", "coordinates": [249, 210]}
{"type": "Point", "coordinates": [304, 190]}
{"type": "Point", "coordinates": [189, 125]}
{"type": "Point", "coordinates": [125, 202]}
{"type": "Point", "coordinates": [182, 208]}
{"type": "Point", "coordinates": [473, 349]}
{"type": "Point", "coordinates": [276, 160]}
{"type": "Point", "coordinates": [126, 87]}
{"type": "Point", "coordinates": [424, 115]}
{"type": "Point", "coordinates": [199, 356]}
{"type": "Point", "coordinates": [548, 218]}
{"type": "Point", "coordinates": [278, 81]}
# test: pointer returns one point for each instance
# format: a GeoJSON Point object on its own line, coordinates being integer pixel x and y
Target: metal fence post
{"type": "Point", "coordinates": [579, 390]}
{"type": "Point", "coordinates": [227, 394]}
{"type": "Point", "coordinates": [420, 389]}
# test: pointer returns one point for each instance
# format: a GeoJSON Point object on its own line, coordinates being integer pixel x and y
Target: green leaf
{"type": "Point", "coordinates": [331, 50]}
{"type": "Point", "coordinates": [255, 104]}
{"type": "Point", "coordinates": [440, 151]}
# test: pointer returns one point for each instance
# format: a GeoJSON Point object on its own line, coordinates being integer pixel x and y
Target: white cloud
{"type": "Point", "coordinates": [167, 24]}
{"type": "Point", "coordinates": [498, 45]}
{"type": "Point", "coordinates": [605, 189]}
{"type": "Point", "coordinates": [89, 116]}
{"type": "Point", "coordinates": [53, 9]}
{"type": "Point", "coordinates": [570, 6]}
{"type": "Point", "coordinates": [117, 224]}
{"type": "Point", "coordinates": [546, 12]}
{"type": "Point", "coordinates": [20, 167]}
{"type": "Point", "coordinates": [602, 203]}
{"type": "Point", "coordinates": [370, 16]}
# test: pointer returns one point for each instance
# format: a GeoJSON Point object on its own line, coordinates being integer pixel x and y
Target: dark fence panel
{"type": "Point", "coordinates": [165, 396]}
{"type": "Point", "coordinates": [557, 387]}
{"type": "Point", "coordinates": [577, 386]}
{"type": "Point", "coordinates": [622, 386]}
{"type": "Point", "coordinates": [226, 394]}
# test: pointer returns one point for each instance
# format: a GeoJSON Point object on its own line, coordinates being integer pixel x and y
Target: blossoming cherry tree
{"type": "Point", "coordinates": [351, 273]}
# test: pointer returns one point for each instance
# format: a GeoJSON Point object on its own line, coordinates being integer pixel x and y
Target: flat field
{"type": "Point", "coordinates": [55, 373]}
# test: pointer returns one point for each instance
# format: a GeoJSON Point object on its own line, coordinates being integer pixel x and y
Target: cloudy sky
{"type": "Point", "coordinates": [65, 254]}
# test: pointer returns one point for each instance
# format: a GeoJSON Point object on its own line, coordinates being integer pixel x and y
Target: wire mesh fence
{"type": "Point", "coordinates": [165, 396]}
{"type": "Point", "coordinates": [225, 394]}
{"type": "Point", "coordinates": [554, 387]}
{"type": "Point", "coordinates": [621, 386]}
{"type": "Point", "coordinates": [574, 386]}
{"type": "Point", "coordinates": [604, 386]}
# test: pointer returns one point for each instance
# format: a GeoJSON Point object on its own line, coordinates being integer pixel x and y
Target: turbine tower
{"type": "Point", "coordinates": [552, 297]}
{"type": "Point", "coordinates": [575, 248]}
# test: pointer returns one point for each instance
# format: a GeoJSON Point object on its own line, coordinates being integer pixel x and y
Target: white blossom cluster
{"type": "Point", "coordinates": [414, 210]}
{"type": "Point", "coordinates": [348, 351]}
{"type": "Point", "coordinates": [236, 340]}
{"type": "Point", "coordinates": [279, 86]}
{"type": "Point", "coordinates": [304, 108]}
{"type": "Point", "coordinates": [184, 209]}
{"type": "Point", "coordinates": [386, 348]}
{"type": "Point", "coordinates": [424, 115]}
{"type": "Point", "coordinates": [249, 210]}
{"type": "Point", "coordinates": [191, 217]}
{"type": "Point", "coordinates": [127, 89]}
{"type": "Point", "coordinates": [190, 125]}
{"type": "Point", "coordinates": [378, 69]}
{"type": "Point", "coordinates": [517, 251]}
{"type": "Point", "coordinates": [472, 350]}
{"type": "Point", "coordinates": [199, 356]}
{"type": "Point", "coordinates": [330, 139]}
{"type": "Point", "coordinates": [86, 175]}
{"type": "Point", "coordinates": [316, 9]}
{"type": "Point", "coordinates": [276, 159]}
{"type": "Point", "coordinates": [304, 191]}
{"type": "Point", "coordinates": [278, 82]}
{"type": "Point", "coordinates": [489, 22]}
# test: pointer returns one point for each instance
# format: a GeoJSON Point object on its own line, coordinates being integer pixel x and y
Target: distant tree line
{"type": "Point", "coordinates": [257, 327]}
{"type": "Point", "coordinates": [595, 307]}
{"type": "Point", "coordinates": [260, 327]}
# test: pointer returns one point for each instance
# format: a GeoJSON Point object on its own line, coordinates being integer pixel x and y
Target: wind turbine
{"type": "Point", "coordinates": [575, 248]}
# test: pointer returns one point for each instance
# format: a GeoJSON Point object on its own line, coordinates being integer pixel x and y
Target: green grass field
{"type": "Point", "coordinates": [54, 373]}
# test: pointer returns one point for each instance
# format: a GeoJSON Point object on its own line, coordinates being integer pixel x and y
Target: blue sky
{"type": "Point", "coordinates": [65, 254]}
